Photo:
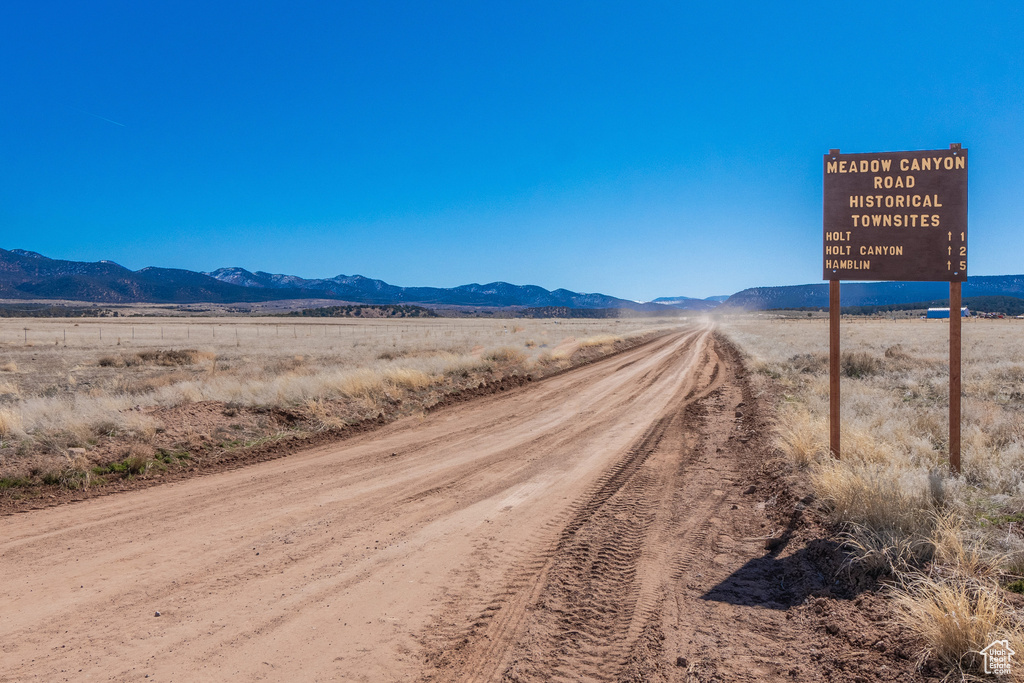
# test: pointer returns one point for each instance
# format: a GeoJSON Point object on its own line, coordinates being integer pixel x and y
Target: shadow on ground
{"type": "Point", "coordinates": [780, 582]}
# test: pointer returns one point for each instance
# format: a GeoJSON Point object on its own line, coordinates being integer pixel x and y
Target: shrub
{"type": "Point", "coordinates": [164, 357]}
{"type": "Point", "coordinates": [136, 464]}
{"type": "Point", "coordinates": [169, 357]}
{"type": "Point", "coordinates": [857, 364]}
{"type": "Point", "coordinates": [74, 474]}
{"type": "Point", "coordinates": [895, 352]}
{"type": "Point", "coordinates": [505, 354]}
{"type": "Point", "coordinates": [814, 363]}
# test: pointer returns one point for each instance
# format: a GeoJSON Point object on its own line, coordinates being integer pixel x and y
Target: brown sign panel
{"type": "Point", "coordinates": [896, 215]}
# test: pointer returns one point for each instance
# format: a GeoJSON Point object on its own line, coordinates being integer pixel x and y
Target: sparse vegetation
{"type": "Point", "coordinates": [944, 543]}
{"type": "Point", "coordinates": [364, 311]}
{"type": "Point", "coordinates": [109, 385]}
{"type": "Point", "coordinates": [162, 357]}
{"type": "Point", "coordinates": [956, 615]}
{"type": "Point", "coordinates": [597, 340]}
{"type": "Point", "coordinates": [10, 423]}
{"type": "Point", "coordinates": [506, 354]}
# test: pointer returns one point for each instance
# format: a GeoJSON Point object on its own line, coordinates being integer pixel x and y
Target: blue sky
{"type": "Point", "coordinates": [635, 149]}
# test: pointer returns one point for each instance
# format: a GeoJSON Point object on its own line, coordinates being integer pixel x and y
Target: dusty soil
{"type": "Point", "coordinates": [621, 521]}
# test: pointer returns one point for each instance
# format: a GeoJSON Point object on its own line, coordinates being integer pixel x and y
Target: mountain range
{"type": "Point", "coordinates": [361, 289]}
{"type": "Point", "coordinates": [26, 275]}
{"type": "Point", "coordinates": [871, 293]}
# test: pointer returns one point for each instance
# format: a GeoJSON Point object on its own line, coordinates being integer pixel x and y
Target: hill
{"type": "Point", "coordinates": [871, 293]}
{"type": "Point", "coordinates": [26, 275]}
{"type": "Point", "coordinates": [689, 303]}
{"type": "Point", "coordinates": [1007, 305]}
{"type": "Point", "coordinates": [359, 289]}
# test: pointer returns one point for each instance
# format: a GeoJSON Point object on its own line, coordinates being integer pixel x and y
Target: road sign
{"type": "Point", "coordinates": [895, 215]}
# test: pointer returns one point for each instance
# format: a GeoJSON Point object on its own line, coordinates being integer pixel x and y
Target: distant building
{"type": "Point", "coordinates": [944, 313]}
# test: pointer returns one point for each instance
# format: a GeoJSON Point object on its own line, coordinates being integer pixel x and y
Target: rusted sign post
{"type": "Point", "coordinates": [896, 216]}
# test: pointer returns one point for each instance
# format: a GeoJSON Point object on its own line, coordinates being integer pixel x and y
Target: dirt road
{"type": "Point", "coordinates": [571, 529]}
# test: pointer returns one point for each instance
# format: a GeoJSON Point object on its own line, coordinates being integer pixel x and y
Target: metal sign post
{"type": "Point", "coordinates": [896, 216]}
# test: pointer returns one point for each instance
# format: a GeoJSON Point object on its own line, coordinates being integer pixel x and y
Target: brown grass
{"type": "Point", "coordinates": [799, 435]}
{"type": "Point", "coordinates": [105, 379]}
{"type": "Point", "coordinates": [598, 340]}
{"type": "Point", "coordinates": [892, 498]}
{"type": "Point", "coordinates": [506, 354]}
{"type": "Point", "coordinates": [887, 519]}
{"type": "Point", "coordinates": [957, 616]}
{"type": "Point", "coordinates": [10, 423]}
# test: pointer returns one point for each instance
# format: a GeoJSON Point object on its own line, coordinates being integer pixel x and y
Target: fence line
{"type": "Point", "coordinates": [38, 331]}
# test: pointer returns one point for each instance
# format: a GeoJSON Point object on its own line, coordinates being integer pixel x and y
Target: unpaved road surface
{"type": "Point", "coordinates": [592, 526]}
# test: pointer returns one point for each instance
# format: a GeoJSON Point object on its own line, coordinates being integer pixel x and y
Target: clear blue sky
{"type": "Point", "coordinates": [635, 149]}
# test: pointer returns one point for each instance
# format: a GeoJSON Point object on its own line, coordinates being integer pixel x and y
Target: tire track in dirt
{"type": "Point", "coordinates": [669, 568]}
{"type": "Point", "coordinates": [575, 611]}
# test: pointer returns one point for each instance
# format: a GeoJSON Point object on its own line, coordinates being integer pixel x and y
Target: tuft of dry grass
{"type": "Point", "coordinates": [73, 473]}
{"type": "Point", "coordinates": [138, 459]}
{"type": "Point", "coordinates": [957, 616]}
{"type": "Point", "coordinates": [361, 383]}
{"type": "Point", "coordinates": [809, 362]}
{"type": "Point", "coordinates": [11, 424]}
{"type": "Point", "coordinates": [321, 415]}
{"type": "Point", "coordinates": [966, 550]}
{"type": "Point", "coordinates": [887, 518]}
{"type": "Point", "coordinates": [9, 366]}
{"type": "Point", "coordinates": [801, 437]}
{"type": "Point", "coordinates": [408, 378]}
{"type": "Point", "coordinates": [875, 496]}
{"type": "Point", "coordinates": [556, 356]}
{"type": "Point", "coordinates": [506, 354]}
{"type": "Point", "coordinates": [599, 340]}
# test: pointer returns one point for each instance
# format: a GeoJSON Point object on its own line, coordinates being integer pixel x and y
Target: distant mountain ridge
{"type": "Point", "coordinates": [28, 275]}
{"type": "Point", "coordinates": [689, 302]}
{"type": "Point", "coordinates": [366, 290]}
{"type": "Point", "coordinates": [871, 293]}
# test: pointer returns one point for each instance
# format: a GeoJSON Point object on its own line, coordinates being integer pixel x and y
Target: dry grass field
{"type": "Point", "coordinates": [86, 400]}
{"type": "Point", "coordinates": [948, 545]}
{"type": "Point", "coordinates": [108, 403]}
